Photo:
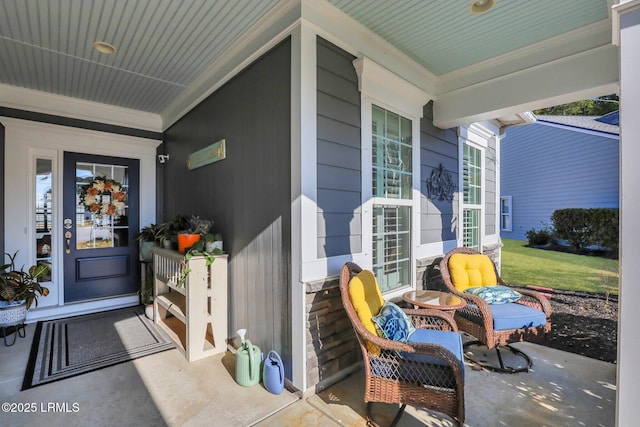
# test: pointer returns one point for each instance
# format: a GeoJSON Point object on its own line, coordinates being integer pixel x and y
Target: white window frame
{"type": "Point", "coordinates": [476, 137]}
{"type": "Point", "coordinates": [378, 86]}
{"type": "Point", "coordinates": [368, 199]}
{"type": "Point", "coordinates": [367, 182]}
{"type": "Point", "coordinates": [508, 202]}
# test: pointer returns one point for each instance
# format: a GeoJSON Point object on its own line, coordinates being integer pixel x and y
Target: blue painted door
{"type": "Point", "coordinates": [100, 219]}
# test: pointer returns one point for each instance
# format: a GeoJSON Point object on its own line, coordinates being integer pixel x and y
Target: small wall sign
{"type": "Point", "coordinates": [207, 155]}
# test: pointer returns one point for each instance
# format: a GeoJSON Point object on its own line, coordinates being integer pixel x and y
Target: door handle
{"type": "Point", "coordinates": [67, 238]}
{"type": "Point", "coordinates": [68, 224]}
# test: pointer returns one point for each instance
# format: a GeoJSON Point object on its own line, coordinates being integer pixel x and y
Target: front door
{"type": "Point", "coordinates": [100, 219]}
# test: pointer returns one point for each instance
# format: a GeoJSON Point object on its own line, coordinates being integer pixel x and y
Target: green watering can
{"type": "Point", "coordinates": [248, 359]}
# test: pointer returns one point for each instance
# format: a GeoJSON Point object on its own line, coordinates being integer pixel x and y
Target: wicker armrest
{"type": "Point", "coordinates": [476, 308]}
{"type": "Point", "coordinates": [383, 343]}
{"type": "Point", "coordinates": [431, 319]}
{"type": "Point", "coordinates": [535, 300]}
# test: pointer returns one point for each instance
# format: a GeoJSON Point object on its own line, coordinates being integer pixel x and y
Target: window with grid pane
{"type": "Point", "coordinates": [391, 148]}
{"type": "Point", "coordinates": [472, 175]}
{"type": "Point", "coordinates": [391, 246]}
{"type": "Point", "coordinates": [471, 228]}
{"type": "Point", "coordinates": [505, 213]}
{"type": "Point", "coordinates": [392, 190]}
{"type": "Point", "coordinates": [472, 196]}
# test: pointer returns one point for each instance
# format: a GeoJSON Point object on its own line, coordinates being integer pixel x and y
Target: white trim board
{"type": "Point", "coordinates": [58, 105]}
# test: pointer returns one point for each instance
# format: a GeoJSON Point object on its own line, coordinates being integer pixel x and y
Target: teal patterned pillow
{"type": "Point", "coordinates": [391, 323]}
{"type": "Point", "coordinates": [495, 294]}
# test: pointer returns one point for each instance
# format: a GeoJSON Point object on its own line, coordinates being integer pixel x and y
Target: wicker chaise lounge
{"type": "Point", "coordinates": [428, 374]}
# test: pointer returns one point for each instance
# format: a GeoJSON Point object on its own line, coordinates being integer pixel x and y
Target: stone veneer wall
{"type": "Point", "coordinates": [332, 346]}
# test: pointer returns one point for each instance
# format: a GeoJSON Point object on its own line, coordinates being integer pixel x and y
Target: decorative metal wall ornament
{"type": "Point", "coordinates": [440, 184]}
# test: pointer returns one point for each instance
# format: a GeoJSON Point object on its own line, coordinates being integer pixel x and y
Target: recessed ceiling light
{"type": "Point", "coordinates": [481, 6]}
{"type": "Point", "coordinates": [104, 47]}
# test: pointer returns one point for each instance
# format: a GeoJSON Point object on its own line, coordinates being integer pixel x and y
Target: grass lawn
{"type": "Point", "coordinates": [527, 266]}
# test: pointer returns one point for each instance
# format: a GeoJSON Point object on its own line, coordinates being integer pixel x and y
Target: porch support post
{"type": "Point", "coordinates": [626, 24]}
{"type": "Point", "coordinates": [303, 187]}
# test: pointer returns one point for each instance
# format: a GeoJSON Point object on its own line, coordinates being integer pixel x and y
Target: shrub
{"type": "Point", "coordinates": [585, 227]}
{"type": "Point", "coordinates": [606, 228]}
{"type": "Point", "coordinates": [539, 237]}
{"type": "Point", "coordinates": [572, 225]}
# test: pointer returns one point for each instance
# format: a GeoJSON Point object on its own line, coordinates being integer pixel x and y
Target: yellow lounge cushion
{"type": "Point", "coordinates": [471, 270]}
{"type": "Point", "coordinates": [366, 298]}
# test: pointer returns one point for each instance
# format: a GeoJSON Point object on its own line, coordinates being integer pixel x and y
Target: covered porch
{"type": "Point", "coordinates": [164, 389]}
{"type": "Point", "coordinates": [283, 88]}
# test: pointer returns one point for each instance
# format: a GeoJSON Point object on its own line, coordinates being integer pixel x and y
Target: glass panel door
{"type": "Point", "coordinates": [100, 217]}
{"type": "Point", "coordinates": [101, 206]}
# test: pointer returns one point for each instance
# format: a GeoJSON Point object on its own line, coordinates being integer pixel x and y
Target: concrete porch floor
{"type": "Point", "coordinates": [563, 389]}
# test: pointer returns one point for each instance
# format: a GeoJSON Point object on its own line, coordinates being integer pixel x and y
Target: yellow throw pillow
{"type": "Point", "coordinates": [471, 270]}
{"type": "Point", "coordinates": [366, 298]}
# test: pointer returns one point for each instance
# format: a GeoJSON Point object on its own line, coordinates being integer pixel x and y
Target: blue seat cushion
{"type": "Point", "coordinates": [516, 316]}
{"type": "Point", "coordinates": [452, 341]}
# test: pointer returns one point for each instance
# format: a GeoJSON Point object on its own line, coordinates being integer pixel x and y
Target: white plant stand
{"type": "Point", "coordinates": [194, 315]}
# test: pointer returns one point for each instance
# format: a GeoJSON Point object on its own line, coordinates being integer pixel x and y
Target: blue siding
{"type": "Point", "coordinates": [338, 153]}
{"type": "Point", "coordinates": [545, 168]}
{"type": "Point", "coordinates": [438, 219]}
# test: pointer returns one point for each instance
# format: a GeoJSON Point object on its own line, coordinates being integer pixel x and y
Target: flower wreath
{"type": "Point", "coordinates": [103, 196]}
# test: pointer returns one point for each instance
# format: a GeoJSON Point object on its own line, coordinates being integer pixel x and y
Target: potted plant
{"type": "Point", "coordinates": [19, 290]}
{"type": "Point", "coordinates": [168, 231]}
{"type": "Point", "coordinates": [212, 242]}
{"type": "Point", "coordinates": [148, 237]}
{"type": "Point", "coordinates": [164, 235]}
{"type": "Point", "coordinates": [198, 227]}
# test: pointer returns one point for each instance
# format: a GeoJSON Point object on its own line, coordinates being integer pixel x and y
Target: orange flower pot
{"type": "Point", "coordinates": [185, 241]}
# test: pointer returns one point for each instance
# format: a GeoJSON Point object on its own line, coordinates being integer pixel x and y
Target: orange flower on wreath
{"type": "Point", "coordinates": [119, 196]}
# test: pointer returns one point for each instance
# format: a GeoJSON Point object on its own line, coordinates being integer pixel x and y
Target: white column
{"type": "Point", "coordinates": [626, 24]}
{"type": "Point", "coordinates": [303, 187]}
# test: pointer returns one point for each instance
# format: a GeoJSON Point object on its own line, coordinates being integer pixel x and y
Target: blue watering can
{"type": "Point", "coordinates": [273, 373]}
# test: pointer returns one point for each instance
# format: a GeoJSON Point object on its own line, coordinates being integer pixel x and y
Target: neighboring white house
{"type": "Point", "coordinates": [555, 163]}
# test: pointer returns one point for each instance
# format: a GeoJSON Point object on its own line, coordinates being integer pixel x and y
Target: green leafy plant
{"type": "Point", "coordinates": [167, 231]}
{"type": "Point", "coordinates": [18, 285]}
{"type": "Point", "coordinates": [150, 233]}
{"type": "Point", "coordinates": [196, 250]}
{"type": "Point", "coordinates": [210, 238]}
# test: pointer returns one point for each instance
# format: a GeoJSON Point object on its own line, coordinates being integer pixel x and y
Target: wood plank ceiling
{"type": "Point", "coordinates": [163, 46]}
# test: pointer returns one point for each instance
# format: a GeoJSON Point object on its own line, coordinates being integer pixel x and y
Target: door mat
{"type": "Point", "coordinates": [73, 346]}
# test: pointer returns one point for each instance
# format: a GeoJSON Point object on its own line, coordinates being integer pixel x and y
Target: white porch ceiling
{"type": "Point", "coordinates": [170, 53]}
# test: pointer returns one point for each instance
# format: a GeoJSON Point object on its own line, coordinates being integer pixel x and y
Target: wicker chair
{"type": "Point", "coordinates": [477, 317]}
{"type": "Point", "coordinates": [422, 374]}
